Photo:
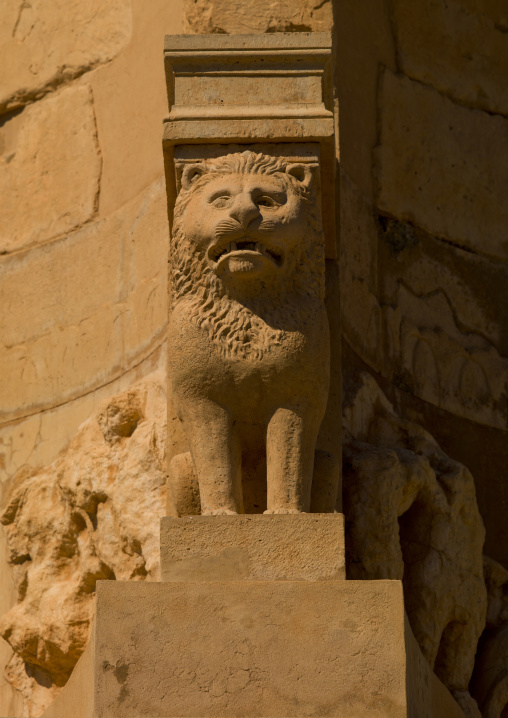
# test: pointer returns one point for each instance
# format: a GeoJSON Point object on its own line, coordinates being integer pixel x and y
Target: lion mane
{"type": "Point", "coordinates": [235, 328]}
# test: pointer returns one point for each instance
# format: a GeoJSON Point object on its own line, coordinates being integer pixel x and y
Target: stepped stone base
{"type": "Point", "coordinates": [211, 642]}
{"type": "Point", "coordinates": [231, 649]}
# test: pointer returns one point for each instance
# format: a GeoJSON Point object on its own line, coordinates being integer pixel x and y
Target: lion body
{"type": "Point", "coordinates": [248, 331]}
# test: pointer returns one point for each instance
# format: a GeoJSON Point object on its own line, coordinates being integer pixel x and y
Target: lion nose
{"type": "Point", "coordinates": [244, 210]}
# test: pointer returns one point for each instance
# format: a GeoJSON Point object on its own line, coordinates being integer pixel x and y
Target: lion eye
{"type": "Point", "coordinates": [220, 201]}
{"type": "Point", "coordinates": [267, 202]}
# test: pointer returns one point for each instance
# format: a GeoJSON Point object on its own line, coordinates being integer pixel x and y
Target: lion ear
{"type": "Point", "coordinates": [302, 173]}
{"type": "Point", "coordinates": [190, 174]}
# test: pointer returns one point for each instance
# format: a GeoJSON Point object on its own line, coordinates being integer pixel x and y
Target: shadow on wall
{"type": "Point", "coordinates": [411, 514]}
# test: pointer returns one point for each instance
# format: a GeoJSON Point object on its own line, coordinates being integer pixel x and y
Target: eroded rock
{"type": "Point", "coordinates": [490, 679]}
{"type": "Point", "coordinates": [412, 515]}
{"type": "Point", "coordinates": [92, 514]}
{"type": "Point", "coordinates": [229, 17]}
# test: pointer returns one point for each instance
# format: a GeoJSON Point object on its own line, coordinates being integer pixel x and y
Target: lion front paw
{"type": "Point", "coordinates": [283, 511]}
{"type": "Point", "coordinates": [220, 512]}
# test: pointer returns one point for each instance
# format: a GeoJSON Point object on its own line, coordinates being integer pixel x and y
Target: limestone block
{"type": "Point", "coordinates": [93, 513]}
{"type": "Point", "coordinates": [49, 169]}
{"type": "Point", "coordinates": [90, 311]}
{"type": "Point", "coordinates": [442, 166]}
{"type": "Point", "coordinates": [252, 547]}
{"type": "Point", "coordinates": [130, 101]}
{"type": "Point", "coordinates": [458, 46]}
{"type": "Point", "coordinates": [283, 648]}
{"type": "Point", "coordinates": [364, 44]}
{"type": "Point", "coordinates": [228, 16]}
{"type": "Point", "coordinates": [38, 438]}
{"type": "Point", "coordinates": [43, 43]}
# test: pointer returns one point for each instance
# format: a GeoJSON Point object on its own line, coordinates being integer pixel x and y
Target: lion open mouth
{"type": "Point", "coordinates": [242, 247]}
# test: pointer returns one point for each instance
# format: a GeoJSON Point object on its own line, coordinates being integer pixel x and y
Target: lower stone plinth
{"type": "Point", "coordinates": [284, 649]}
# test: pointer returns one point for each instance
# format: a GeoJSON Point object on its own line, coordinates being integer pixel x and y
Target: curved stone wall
{"type": "Point", "coordinates": [83, 232]}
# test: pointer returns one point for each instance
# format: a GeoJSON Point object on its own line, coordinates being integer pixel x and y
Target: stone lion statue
{"type": "Point", "coordinates": [249, 338]}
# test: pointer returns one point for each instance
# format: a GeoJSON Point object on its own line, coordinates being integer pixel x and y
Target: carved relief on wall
{"type": "Point", "coordinates": [249, 364]}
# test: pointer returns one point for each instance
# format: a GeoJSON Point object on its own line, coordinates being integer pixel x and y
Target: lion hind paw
{"type": "Point", "coordinates": [283, 511]}
{"type": "Point", "coordinates": [220, 512]}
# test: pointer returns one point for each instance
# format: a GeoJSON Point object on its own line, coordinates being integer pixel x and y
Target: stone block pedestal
{"type": "Point", "coordinates": [241, 648]}
{"type": "Point", "coordinates": [302, 547]}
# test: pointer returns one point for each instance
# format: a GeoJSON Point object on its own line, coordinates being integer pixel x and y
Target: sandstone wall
{"type": "Point", "coordinates": [83, 227]}
{"type": "Point", "coordinates": [424, 138]}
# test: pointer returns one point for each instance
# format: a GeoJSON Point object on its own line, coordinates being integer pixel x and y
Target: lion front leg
{"type": "Point", "coordinates": [216, 453]}
{"type": "Point", "coordinates": [290, 442]}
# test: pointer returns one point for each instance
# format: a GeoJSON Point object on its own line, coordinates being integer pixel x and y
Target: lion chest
{"type": "Point", "coordinates": [253, 382]}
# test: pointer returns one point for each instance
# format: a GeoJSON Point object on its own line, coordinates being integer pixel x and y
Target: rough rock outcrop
{"type": "Point", "coordinates": [231, 17]}
{"type": "Point", "coordinates": [92, 514]}
{"type": "Point", "coordinates": [490, 679]}
{"type": "Point", "coordinates": [411, 514]}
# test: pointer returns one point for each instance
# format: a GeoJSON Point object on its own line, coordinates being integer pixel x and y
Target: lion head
{"type": "Point", "coordinates": [247, 248]}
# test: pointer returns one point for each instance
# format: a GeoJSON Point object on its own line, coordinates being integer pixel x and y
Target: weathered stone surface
{"type": "Point", "coordinates": [93, 513]}
{"type": "Point", "coordinates": [306, 547]}
{"type": "Point", "coordinates": [50, 169]}
{"type": "Point", "coordinates": [46, 42]}
{"type": "Point", "coordinates": [458, 46]}
{"type": "Point", "coordinates": [411, 514]}
{"type": "Point", "coordinates": [442, 166]}
{"type": "Point", "coordinates": [228, 16]}
{"type": "Point", "coordinates": [424, 313]}
{"type": "Point", "coordinates": [37, 439]}
{"type": "Point", "coordinates": [60, 41]}
{"type": "Point", "coordinates": [94, 306]}
{"type": "Point", "coordinates": [130, 101]}
{"type": "Point", "coordinates": [260, 648]}
{"type": "Point", "coordinates": [489, 684]}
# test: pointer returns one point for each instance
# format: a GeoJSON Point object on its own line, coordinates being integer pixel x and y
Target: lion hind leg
{"type": "Point", "coordinates": [290, 442]}
{"type": "Point", "coordinates": [182, 487]}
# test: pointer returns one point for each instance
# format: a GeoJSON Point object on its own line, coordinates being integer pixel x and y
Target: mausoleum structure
{"type": "Point", "coordinates": [253, 427]}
